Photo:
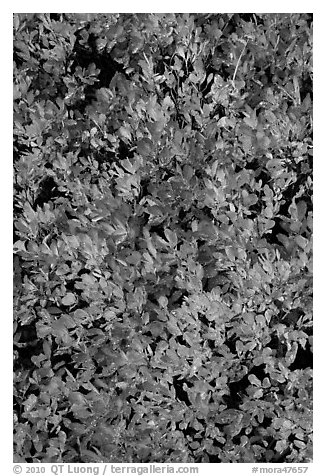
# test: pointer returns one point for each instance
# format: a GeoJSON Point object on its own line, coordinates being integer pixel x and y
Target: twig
{"type": "Point", "coordinates": [287, 93]}
{"type": "Point", "coordinates": [238, 62]}
{"type": "Point", "coordinates": [98, 126]}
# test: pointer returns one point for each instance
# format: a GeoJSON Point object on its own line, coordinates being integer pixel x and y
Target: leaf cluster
{"type": "Point", "coordinates": [163, 237]}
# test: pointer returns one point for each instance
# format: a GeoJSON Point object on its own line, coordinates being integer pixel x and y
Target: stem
{"type": "Point", "coordinates": [238, 62]}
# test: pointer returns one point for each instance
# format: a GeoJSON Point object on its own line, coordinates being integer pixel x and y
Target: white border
{"type": "Point", "coordinates": [230, 6]}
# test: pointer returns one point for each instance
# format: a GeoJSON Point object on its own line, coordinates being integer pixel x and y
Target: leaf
{"type": "Point", "coordinates": [254, 380]}
{"type": "Point", "coordinates": [251, 121]}
{"type": "Point", "coordinates": [156, 328]}
{"type": "Point", "coordinates": [19, 246]}
{"type": "Point", "coordinates": [145, 147]}
{"type": "Point", "coordinates": [231, 252]}
{"type": "Point", "coordinates": [30, 403]}
{"type": "Point", "coordinates": [274, 163]}
{"type": "Point", "coordinates": [171, 236]}
{"type": "Point", "coordinates": [187, 171]}
{"type": "Point", "coordinates": [301, 210]}
{"type": "Point", "coordinates": [281, 446]}
{"type": "Point", "coordinates": [54, 310]}
{"type": "Point", "coordinates": [69, 299]}
{"type": "Point", "coordinates": [131, 167]}
{"type": "Point", "coordinates": [125, 133]}
{"type": "Point", "coordinates": [163, 301]}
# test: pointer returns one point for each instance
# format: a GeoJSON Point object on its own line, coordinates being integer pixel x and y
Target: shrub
{"type": "Point", "coordinates": [162, 248]}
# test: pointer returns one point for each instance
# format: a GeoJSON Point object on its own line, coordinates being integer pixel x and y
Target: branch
{"type": "Point", "coordinates": [238, 62]}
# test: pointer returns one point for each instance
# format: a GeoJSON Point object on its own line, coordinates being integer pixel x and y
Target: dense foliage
{"type": "Point", "coordinates": [163, 237]}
